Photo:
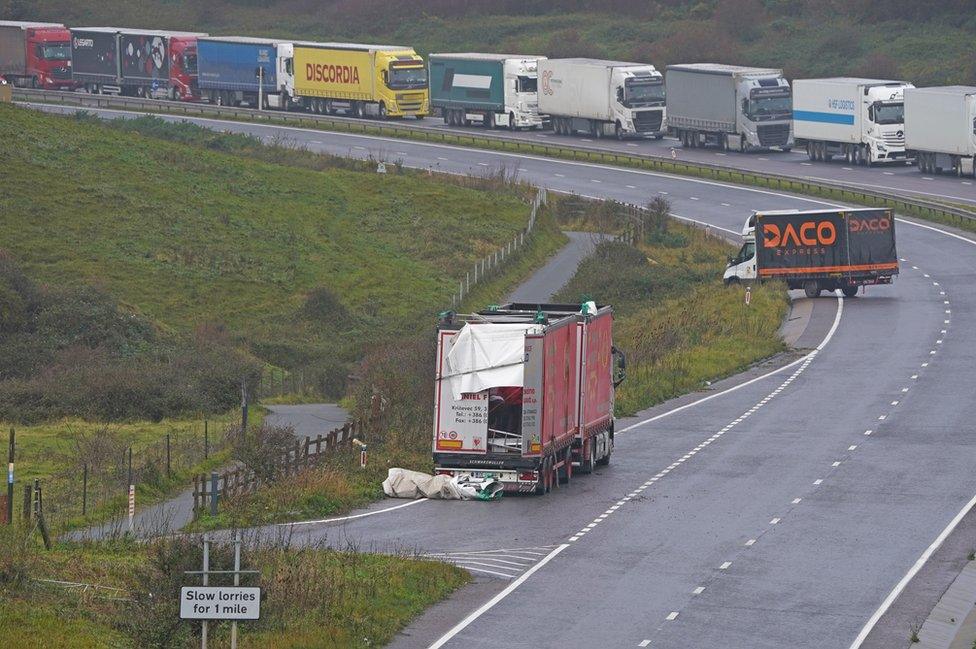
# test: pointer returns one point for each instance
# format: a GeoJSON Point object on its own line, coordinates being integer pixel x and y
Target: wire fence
{"type": "Point", "coordinates": [485, 268]}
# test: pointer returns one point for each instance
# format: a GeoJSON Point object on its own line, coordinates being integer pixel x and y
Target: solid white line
{"type": "Point", "coordinates": [893, 595]}
{"type": "Point", "coordinates": [349, 518]}
{"type": "Point", "coordinates": [463, 624]}
{"type": "Point", "coordinates": [823, 343]}
{"type": "Point", "coordinates": [490, 565]}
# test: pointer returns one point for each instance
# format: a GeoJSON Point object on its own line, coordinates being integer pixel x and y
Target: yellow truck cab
{"type": "Point", "coordinates": [361, 80]}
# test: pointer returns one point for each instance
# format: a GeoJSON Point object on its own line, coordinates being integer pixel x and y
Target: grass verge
{"type": "Point", "coordinates": [311, 597]}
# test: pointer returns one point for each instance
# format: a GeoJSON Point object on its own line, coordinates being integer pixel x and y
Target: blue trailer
{"type": "Point", "coordinates": [235, 70]}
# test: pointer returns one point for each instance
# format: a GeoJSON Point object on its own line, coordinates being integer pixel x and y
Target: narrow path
{"type": "Point", "coordinates": [547, 281]}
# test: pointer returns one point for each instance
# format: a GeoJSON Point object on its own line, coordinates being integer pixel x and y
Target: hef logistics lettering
{"type": "Point", "coordinates": [328, 73]}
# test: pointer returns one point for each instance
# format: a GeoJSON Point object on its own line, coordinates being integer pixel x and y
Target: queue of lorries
{"type": "Point", "coordinates": [736, 108]}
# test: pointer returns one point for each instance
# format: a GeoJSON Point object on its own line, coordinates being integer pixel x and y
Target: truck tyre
{"type": "Point", "coordinates": [511, 122]}
{"type": "Point", "coordinates": [619, 132]}
{"type": "Point", "coordinates": [565, 474]}
{"type": "Point", "coordinates": [811, 288]}
{"type": "Point", "coordinates": [382, 111]}
{"type": "Point", "coordinates": [596, 129]}
{"type": "Point", "coordinates": [850, 291]}
{"type": "Point", "coordinates": [849, 156]}
{"type": "Point", "coordinates": [587, 456]}
{"type": "Point", "coordinates": [810, 151]}
{"type": "Point", "coordinates": [605, 460]}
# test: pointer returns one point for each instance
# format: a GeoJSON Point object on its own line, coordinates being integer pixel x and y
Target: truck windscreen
{"type": "Point", "coordinates": [55, 51]}
{"type": "Point", "coordinates": [526, 84]}
{"type": "Point", "coordinates": [767, 107]}
{"type": "Point", "coordinates": [642, 93]}
{"type": "Point", "coordinates": [887, 113]}
{"type": "Point", "coordinates": [407, 78]}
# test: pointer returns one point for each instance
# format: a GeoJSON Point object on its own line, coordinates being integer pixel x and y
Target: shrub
{"type": "Point", "coordinates": [260, 449]}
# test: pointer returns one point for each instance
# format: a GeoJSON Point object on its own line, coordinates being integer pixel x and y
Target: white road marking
{"type": "Point", "coordinates": [774, 521]}
{"type": "Point", "coordinates": [644, 643]}
{"type": "Point", "coordinates": [796, 501]}
{"type": "Point", "coordinates": [807, 164]}
{"type": "Point", "coordinates": [852, 447]}
{"type": "Point", "coordinates": [925, 364]}
{"type": "Point", "coordinates": [835, 464]}
{"type": "Point", "coordinates": [900, 586]}
{"type": "Point", "coordinates": [698, 591]}
{"type": "Point", "coordinates": [888, 173]}
{"type": "Point", "coordinates": [726, 205]}
{"type": "Point", "coordinates": [904, 389]}
{"type": "Point", "coordinates": [440, 158]}
{"type": "Point", "coordinates": [847, 169]}
{"type": "Point", "coordinates": [818, 481]}
{"type": "Point", "coordinates": [490, 572]}
{"type": "Point", "coordinates": [463, 624]}
{"type": "Point", "coordinates": [559, 175]}
{"type": "Point", "coordinates": [894, 403]}
{"type": "Point", "coordinates": [725, 566]}
{"type": "Point", "coordinates": [631, 144]}
{"type": "Point", "coordinates": [316, 142]}
{"type": "Point", "coordinates": [868, 432]}
{"type": "Point", "coordinates": [914, 376]}
{"type": "Point", "coordinates": [349, 518]}
{"type": "Point", "coordinates": [673, 615]}
{"type": "Point", "coordinates": [882, 417]}
{"type": "Point", "coordinates": [594, 180]}
{"type": "Point", "coordinates": [483, 164]}
{"type": "Point", "coordinates": [750, 543]}
{"type": "Point", "coordinates": [630, 187]}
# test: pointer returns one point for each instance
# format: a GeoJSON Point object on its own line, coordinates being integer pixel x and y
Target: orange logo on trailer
{"type": "Point", "coordinates": [808, 234]}
{"type": "Point", "coordinates": [332, 73]}
{"type": "Point", "coordinates": [871, 225]}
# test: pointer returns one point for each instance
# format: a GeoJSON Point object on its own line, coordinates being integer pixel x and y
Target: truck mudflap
{"type": "Point", "coordinates": [513, 480]}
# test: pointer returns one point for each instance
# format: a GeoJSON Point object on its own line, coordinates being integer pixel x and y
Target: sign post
{"type": "Point", "coordinates": [10, 479]}
{"type": "Point", "coordinates": [220, 602]}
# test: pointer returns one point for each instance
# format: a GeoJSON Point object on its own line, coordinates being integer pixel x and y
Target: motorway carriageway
{"type": "Point", "coordinates": [778, 514]}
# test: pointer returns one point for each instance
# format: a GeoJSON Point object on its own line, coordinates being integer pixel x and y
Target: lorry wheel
{"type": "Point", "coordinates": [587, 459]}
{"type": "Point", "coordinates": [811, 147]}
{"type": "Point", "coordinates": [619, 132]}
{"type": "Point", "coordinates": [511, 122]}
{"type": "Point", "coordinates": [850, 291]}
{"type": "Point", "coordinates": [605, 460]}
{"type": "Point", "coordinates": [382, 110]}
{"type": "Point", "coordinates": [811, 288]}
{"type": "Point", "coordinates": [596, 130]}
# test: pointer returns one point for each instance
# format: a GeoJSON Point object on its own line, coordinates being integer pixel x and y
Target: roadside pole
{"type": "Point", "coordinates": [132, 495]}
{"type": "Point", "coordinates": [206, 579]}
{"type": "Point", "coordinates": [10, 479]}
{"type": "Point", "coordinates": [237, 582]}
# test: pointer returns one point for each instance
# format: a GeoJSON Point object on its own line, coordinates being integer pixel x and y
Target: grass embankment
{"type": "Point", "coordinates": [164, 252]}
{"type": "Point", "coordinates": [927, 43]}
{"type": "Point", "coordinates": [675, 321]}
{"type": "Point", "coordinates": [312, 597]}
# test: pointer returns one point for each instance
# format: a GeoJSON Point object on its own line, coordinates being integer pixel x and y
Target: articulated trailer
{"type": "Point", "coordinates": [135, 62]}
{"type": "Point", "coordinates": [492, 90]}
{"type": "Point", "coordinates": [940, 129]}
{"type": "Point", "coordinates": [524, 393]}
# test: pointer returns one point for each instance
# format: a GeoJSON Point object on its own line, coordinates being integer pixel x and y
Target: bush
{"type": "Point", "coordinates": [261, 449]}
{"type": "Point", "coordinates": [17, 558]}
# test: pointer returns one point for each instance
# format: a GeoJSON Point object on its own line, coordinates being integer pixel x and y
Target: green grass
{"type": "Point", "coordinates": [677, 324]}
{"type": "Point", "coordinates": [928, 44]}
{"type": "Point", "coordinates": [187, 235]}
{"type": "Point", "coordinates": [313, 597]}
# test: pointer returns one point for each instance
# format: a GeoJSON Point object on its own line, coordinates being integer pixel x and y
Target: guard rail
{"type": "Point", "coordinates": [922, 208]}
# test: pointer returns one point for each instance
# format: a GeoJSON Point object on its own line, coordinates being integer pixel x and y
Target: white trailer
{"type": "Point", "coordinates": [940, 128]}
{"type": "Point", "coordinates": [861, 120]}
{"type": "Point", "coordinates": [729, 106]}
{"type": "Point", "coordinates": [602, 97]}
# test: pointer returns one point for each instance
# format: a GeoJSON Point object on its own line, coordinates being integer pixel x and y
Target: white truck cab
{"type": "Point", "coordinates": [522, 78]}
{"type": "Point", "coordinates": [742, 267]}
{"type": "Point", "coordinates": [637, 88]}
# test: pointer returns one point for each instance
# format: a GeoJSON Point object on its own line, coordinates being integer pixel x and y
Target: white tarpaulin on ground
{"type": "Point", "coordinates": [486, 356]}
{"type": "Point", "coordinates": [403, 483]}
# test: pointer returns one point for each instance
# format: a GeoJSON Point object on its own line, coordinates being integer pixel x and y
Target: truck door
{"type": "Point", "coordinates": [744, 263]}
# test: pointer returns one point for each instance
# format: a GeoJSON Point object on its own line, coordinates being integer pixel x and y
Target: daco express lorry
{"type": "Point", "coordinates": [818, 250]}
{"type": "Point", "coordinates": [525, 392]}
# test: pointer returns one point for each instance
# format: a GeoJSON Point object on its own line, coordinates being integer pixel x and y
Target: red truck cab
{"type": "Point", "coordinates": [36, 55]}
{"type": "Point", "coordinates": [183, 84]}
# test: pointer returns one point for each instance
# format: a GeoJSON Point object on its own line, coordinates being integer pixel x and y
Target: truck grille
{"type": "Point", "coordinates": [648, 121]}
{"type": "Point", "coordinates": [411, 102]}
{"type": "Point", "coordinates": [61, 73]}
{"type": "Point", "coordinates": [894, 139]}
{"type": "Point", "coordinates": [774, 134]}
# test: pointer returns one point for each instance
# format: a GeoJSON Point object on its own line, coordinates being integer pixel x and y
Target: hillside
{"type": "Point", "coordinates": [126, 247]}
{"type": "Point", "coordinates": [928, 43]}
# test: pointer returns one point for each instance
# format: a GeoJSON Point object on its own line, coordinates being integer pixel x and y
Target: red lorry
{"type": "Point", "coordinates": [36, 55]}
{"type": "Point", "coordinates": [525, 392]}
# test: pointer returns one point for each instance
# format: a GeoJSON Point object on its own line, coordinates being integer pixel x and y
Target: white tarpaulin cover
{"type": "Point", "coordinates": [403, 483]}
{"type": "Point", "coordinates": [486, 356]}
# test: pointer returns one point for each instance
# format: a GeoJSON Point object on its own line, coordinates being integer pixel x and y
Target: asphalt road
{"type": "Point", "coordinates": [766, 516]}
{"type": "Point", "coordinates": [546, 281]}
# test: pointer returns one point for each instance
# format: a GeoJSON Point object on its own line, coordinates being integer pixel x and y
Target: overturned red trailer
{"type": "Point", "coordinates": [525, 392]}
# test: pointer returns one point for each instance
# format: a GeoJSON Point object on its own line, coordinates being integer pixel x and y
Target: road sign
{"type": "Point", "coordinates": [220, 603]}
